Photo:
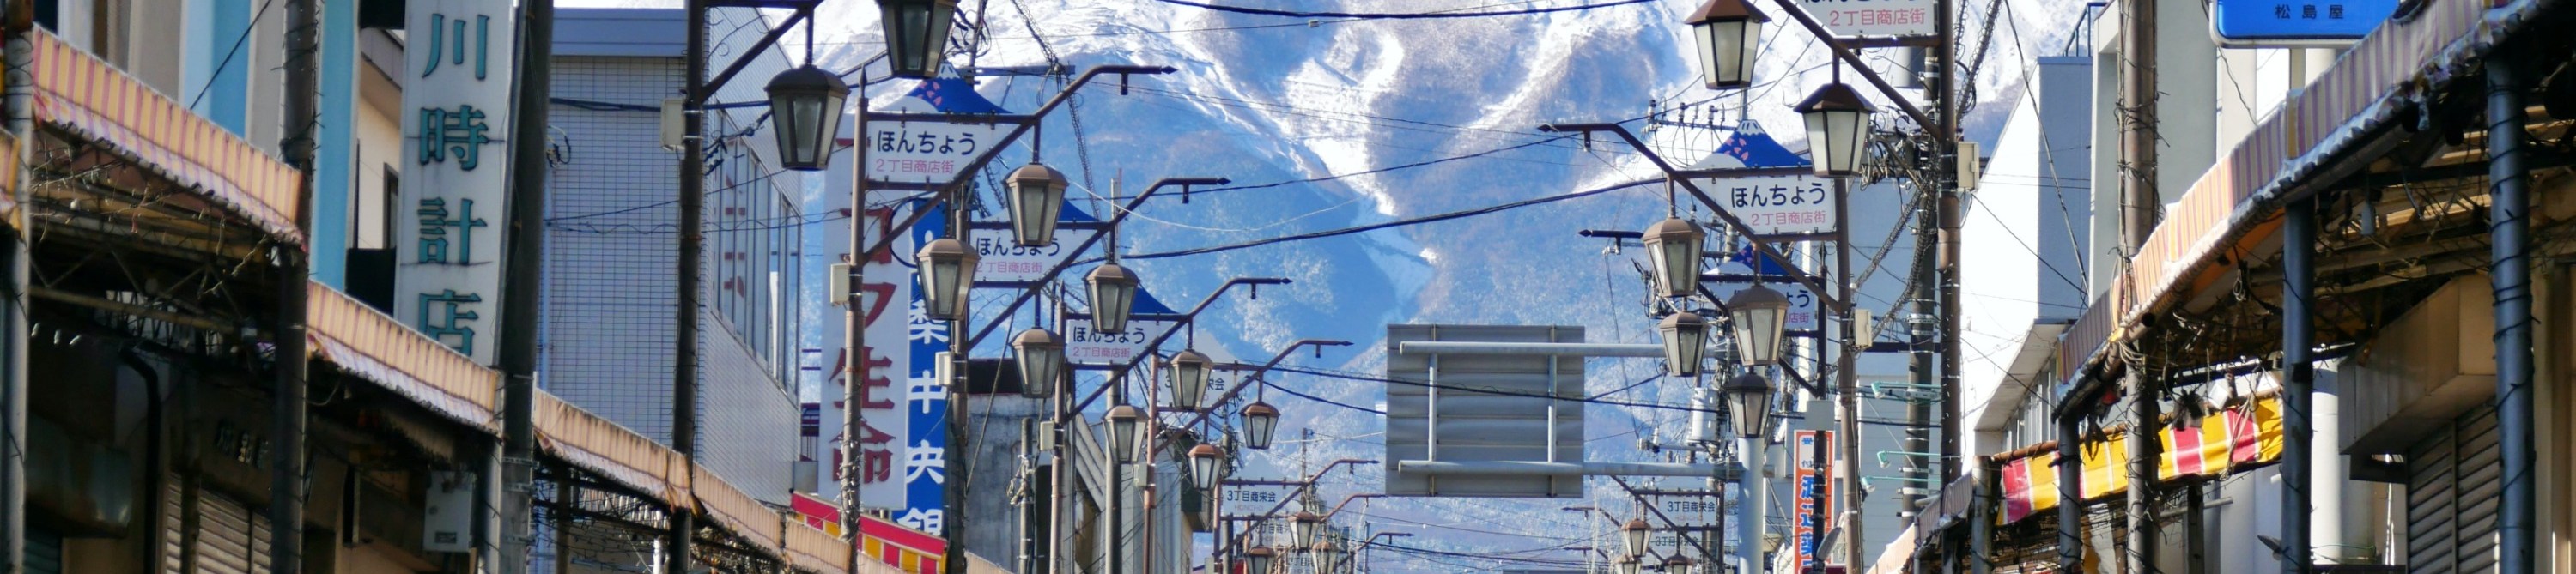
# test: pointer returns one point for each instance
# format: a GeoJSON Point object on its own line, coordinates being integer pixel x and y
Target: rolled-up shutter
{"type": "Point", "coordinates": [2452, 489]}
{"type": "Point", "coordinates": [44, 552]}
{"type": "Point", "coordinates": [230, 538]}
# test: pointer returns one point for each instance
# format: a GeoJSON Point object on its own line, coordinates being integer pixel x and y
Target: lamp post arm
{"type": "Point", "coordinates": [1077, 251]}
{"type": "Point", "coordinates": [1255, 378]}
{"type": "Point", "coordinates": [1301, 488]}
{"type": "Point", "coordinates": [1120, 377]}
{"type": "Point", "coordinates": [803, 13]}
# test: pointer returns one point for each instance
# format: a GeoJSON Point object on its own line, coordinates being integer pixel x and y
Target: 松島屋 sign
{"type": "Point", "coordinates": [458, 66]}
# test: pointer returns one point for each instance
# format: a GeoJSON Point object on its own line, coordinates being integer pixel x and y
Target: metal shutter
{"type": "Point", "coordinates": [2452, 490]}
{"type": "Point", "coordinates": [44, 552]}
{"type": "Point", "coordinates": [230, 538]}
{"type": "Point", "coordinates": [174, 521]}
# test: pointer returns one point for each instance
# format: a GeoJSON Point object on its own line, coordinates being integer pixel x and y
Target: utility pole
{"type": "Point", "coordinates": [1847, 374]}
{"type": "Point", "coordinates": [2138, 218]}
{"type": "Point", "coordinates": [19, 103]}
{"type": "Point", "coordinates": [1945, 138]}
{"type": "Point", "coordinates": [854, 350]}
{"type": "Point", "coordinates": [286, 485]}
{"type": "Point", "coordinates": [692, 201]}
{"type": "Point", "coordinates": [521, 283]}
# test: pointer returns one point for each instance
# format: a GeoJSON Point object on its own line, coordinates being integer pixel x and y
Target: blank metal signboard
{"type": "Point", "coordinates": [1488, 408]}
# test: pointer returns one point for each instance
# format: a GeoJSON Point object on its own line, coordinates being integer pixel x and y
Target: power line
{"type": "Point", "coordinates": [228, 55]}
{"type": "Point", "coordinates": [1321, 399]}
{"type": "Point", "coordinates": [1395, 15]}
{"type": "Point", "coordinates": [1391, 224]}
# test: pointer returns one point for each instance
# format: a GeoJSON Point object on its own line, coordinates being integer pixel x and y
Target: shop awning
{"type": "Point", "coordinates": [2311, 139]}
{"type": "Point", "coordinates": [83, 95]}
{"type": "Point", "coordinates": [378, 348]}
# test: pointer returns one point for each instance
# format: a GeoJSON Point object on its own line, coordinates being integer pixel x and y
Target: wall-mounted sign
{"type": "Point", "coordinates": [1086, 346]}
{"type": "Point", "coordinates": [1855, 18]}
{"type": "Point", "coordinates": [456, 126]}
{"type": "Point", "coordinates": [1005, 264]}
{"type": "Point", "coordinates": [1777, 206]}
{"type": "Point", "coordinates": [914, 151]}
{"type": "Point", "coordinates": [2296, 23]}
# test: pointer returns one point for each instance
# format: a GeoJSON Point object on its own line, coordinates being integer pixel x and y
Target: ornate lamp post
{"type": "Point", "coordinates": [948, 273]}
{"type": "Point", "coordinates": [1189, 378]}
{"type": "Point", "coordinates": [916, 33]}
{"type": "Point", "coordinates": [1728, 32]}
{"type": "Point", "coordinates": [1675, 245]}
{"type": "Point", "coordinates": [1685, 342]}
{"type": "Point", "coordinates": [1041, 362]}
{"type": "Point", "coordinates": [1634, 533]}
{"type": "Point", "coordinates": [1759, 313]}
{"type": "Point", "coordinates": [1113, 294]}
{"type": "Point", "coordinates": [1037, 198]}
{"type": "Point", "coordinates": [1837, 123]}
{"type": "Point", "coordinates": [1260, 424]}
{"type": "Point", "coordinates": [1207, 464]}
{"type": "Point", "coordinates": [805, 104]}
{"type": "Point", "coordinates": [1748, 396]}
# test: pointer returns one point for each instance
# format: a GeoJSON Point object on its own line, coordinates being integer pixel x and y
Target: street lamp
{"type": "Point", "coordinates": [1626, 565]}
{"type": "Point", "coordinates": [805, 105]}
{"type": "Point", "coordinates": [1675, 245]}
{"type": "Point", "coordinates": [1260, 422]}
{"type": "Point", "coordinates": [1758, 312]}
{"type": "Point", "coordinates": [948, 273]}
{"type": "Point", "coordinates": [1041, 362]}
{"type": "Point", "coordinates": [1113, 294]}
{"type": "Point", "coordinates": [1257, 560]}
{"type": "Point", "coordinates": [916, 33]}
{"type": "Point", "coordinates": [1206, 461]}
{"type": "Point", "coordinates": [1124, 433]}
{"type": "Point", "coordinates": [1677, 564]}
{"type": "Point", "coordinates": [1037, 195]}
{"type": "Point", "coordinates": [1309, 527]}
{"type": "Point", "coordinates": [1749, 396]}
{"type": "Point", "coordinates": [1189, 378]}
{"type": "Point", "coordinates": [1327, 555]}
{"type": "Point", "coordinates": [1837, 121]}
{"type": "Point", "coordinates": [1634, 534]}
{"type": "Point", "coordinates": [1685, 341]}
{"type": "Point", "coordinates": [1727, 32]}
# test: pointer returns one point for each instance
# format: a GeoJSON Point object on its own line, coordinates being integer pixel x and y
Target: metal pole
{"type": "Point", "coordinates": [1749, 505]}
{"type": "Point", "coordinates": [2510, 232]}
{"type": "Point", "coordinates": [2298, 385]}
{"type": "Point", "coordinates": [1952, 356]}
{"type": "Point", "coordinates": [1981, 519]}
{"type": "Point", "coordinates": [2070, 496]}
{"type": "Point", "coordinates": [303, 116]}
{"type": "Point", "coordinates": [19, 103]}
{"type": "Point", "coordinates": [521, 283]}
{"type": "Point", "coordinates": [2196, 537]}
{"type": "Point", "coordinates": [2138, 211]}
{"type": "Point", "coordinates": [854, 351]}
{"type": "Point", "coordinates": [684, 366]}
{"type": "Point", "coordinates": [2144, 453]}
{"type": "Point", "coordinates": [953, 461]}
{"type": "Point", "coordinates": [1848, 374]}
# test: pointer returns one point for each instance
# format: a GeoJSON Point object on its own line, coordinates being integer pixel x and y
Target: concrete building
{"type": "Point", "coordinates": [611, 247]}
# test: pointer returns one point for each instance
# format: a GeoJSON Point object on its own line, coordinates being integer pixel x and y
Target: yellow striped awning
{"type": "Point", "coordinates": [82, 94]}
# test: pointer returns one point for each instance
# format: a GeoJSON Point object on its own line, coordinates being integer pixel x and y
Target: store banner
{"type": "Point", "coordinates": [2237, 439]}
{"type": "Point", "coordinates": [458, 70]}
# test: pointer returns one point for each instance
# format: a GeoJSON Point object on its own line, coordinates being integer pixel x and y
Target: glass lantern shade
{"type": "Point", "coordinates": [1037, 199]}
{"type": "Point", "coordinates": [1260, 422]}
{"type": "Point", "coordinates": [1625, 565]}
{"type": "Point", "coordinates": [1126, 424]}
{"type": "Point", "coordinates": [805, 108]}
{"type": "Point", "coordinates": [1837, 123]}
{"type": "Point", "coordinates": [1677, 564]}
{"type": "Point", "coordinates": [1759, 313]}
{"type": "Point", "coordinates": [1207, 463]}
{"type": "Point", "coordinates": [1113, 294]}
{"type": "Point", "coordinates": [1748, 398]}
{"type": "Point", "coordinates": [1309, 527]}
{"type": "Point", "coordinates": [1675, 245]}
{"type": "Point", "coordinates": [1327, 556]}
{"type": "Point", "coordinates": [1634, 533]}
{"type": "Point", "coordinates": [1257, 560]}
{"type": "Point", "coordinates": [1728, 33]}
{"type": "Point", "coordinates": [1189, 371]}
{"type": "Point", "coordinates": [948, 273]}
{"type": "Point", "coordinates": [916, 33]}
{"type": "Point", "coordinates": [1685, 342]}
{"type": "Point", "coordinates": [1041, 362]}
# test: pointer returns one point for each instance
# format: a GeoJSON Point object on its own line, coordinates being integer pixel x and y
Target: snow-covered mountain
{"type": "Point", "coordinates": [1369, 107]}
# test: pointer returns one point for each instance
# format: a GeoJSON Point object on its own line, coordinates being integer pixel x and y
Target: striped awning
{"type": "Point", "coordinates": [2228, 441]}
{"type": "Point", "coordinates": [83, 95]}
{"type": "Point", "coordinates": [378, 348]}
{"type": "Point", "coordinates": [2311, 138]}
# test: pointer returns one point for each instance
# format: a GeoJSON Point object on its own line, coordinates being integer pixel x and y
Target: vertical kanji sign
{"type": "Point", "coordinates": [458, 65]}
{"type": "Point", "coordinates": [885, 312]}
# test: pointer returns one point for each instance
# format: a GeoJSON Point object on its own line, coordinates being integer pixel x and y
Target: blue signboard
{"type": "Point", "coordinates": [925, 470]}
{"type": "Point", "coordinates": [2295, 22]}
